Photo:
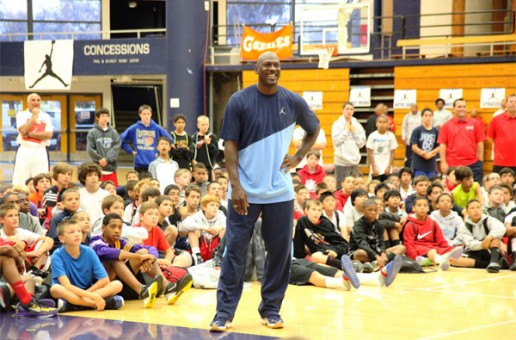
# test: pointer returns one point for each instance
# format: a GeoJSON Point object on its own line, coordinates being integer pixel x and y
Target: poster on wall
{"type": "Point", "coordinates": [449, 96]}
{"type": "Point", "coordinates": [314, 99]}
{"type": "Point", "coordinates": [48, 64]}
{"type": "Point", "coordinates": [403, 99]}
{"type": "Point", "coordinates": [491, 97]}
{"type": "Point", "coordinates": [360, 96]}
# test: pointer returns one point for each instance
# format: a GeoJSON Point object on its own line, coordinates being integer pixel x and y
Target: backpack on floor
{"type": "Point", "coordinates": [408, 265]}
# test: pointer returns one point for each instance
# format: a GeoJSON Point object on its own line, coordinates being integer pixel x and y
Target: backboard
{"type": "Point", "coordinates": [345, 27]}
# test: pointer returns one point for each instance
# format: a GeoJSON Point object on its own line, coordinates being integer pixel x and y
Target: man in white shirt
{"type": "Point", "coordinates": [34, 132]}
{"type": "Point", "coordinates": [441, 115]}
{"type": "Point", "coordinates": [411, 121]}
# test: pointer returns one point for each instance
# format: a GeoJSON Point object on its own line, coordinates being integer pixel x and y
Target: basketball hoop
{"type": "Point", "coordinates": [325, 57]}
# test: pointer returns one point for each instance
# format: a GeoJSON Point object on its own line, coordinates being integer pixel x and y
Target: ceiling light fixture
{"type": "Point", "coordinates": [132, 4]}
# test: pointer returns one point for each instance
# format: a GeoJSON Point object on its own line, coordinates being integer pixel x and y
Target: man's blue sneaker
{"type": "Point", "coordinates": [273, 321]}
{"type": "Point", "coordinates": [220, 324]}
{"type": "Point", "coordinates": [349, 271]}
{"type": "Point", "coordinates": [393, 268]}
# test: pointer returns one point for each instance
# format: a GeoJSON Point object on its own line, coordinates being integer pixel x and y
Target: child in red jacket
{"type": "Point", "coordinates": [312, 173]}
{"type": "Point", "coordinates": [424, 240]}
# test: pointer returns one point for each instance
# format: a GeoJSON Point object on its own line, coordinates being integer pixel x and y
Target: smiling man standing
{"type": "Point", "coordinates": [258, 126]}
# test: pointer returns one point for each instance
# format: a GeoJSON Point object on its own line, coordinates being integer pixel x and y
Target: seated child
{"type": "Point", "coordinates": [200, 177]}
{"type": "Point", "coordinates": [78, 278]}
{"type": "Point", "coordinates": [317, 234]}
{"type": "Point", "coordinates": [421, 184]}
{"type": "Point", "coordinates": [71, 203]}
{"type": "Point", "coordinates": [508, 202]}
{"type": "Point", "coordinates": [494, 205]}
{"type": "Point", "coordinates": [356, 209]}
{"type": "Point", "coordinates": [424, 239]}
{"type": "Point", "coordinates": [130, 262]}
{"type": "Point", "coordinates": [467, 189]}
{"type": "Point", "coordinates": [41, 183]}
{"type": "Point", "coordinates": [301, 195]}
{"type": "Point", "coordinates": [507, 176]}
{"type": "Point", "coordinates": [109, 186]}
{"type": "Point", "coordinates": [331, 182]}
{"type": "Point", "coordinates": [149, 194]}
{"type": "Point", "coordinates": [10, 262]}
{"type": "Point", "coordinates": [35, 246]}
{"type": "Point", "coordinates": [348, 185]}
{"type": "Point", "coordinates": [451, 181]}
{"type": "Point", "coordinates": [312, 173]}
{"type": "Point", "coordinates": [336, 217]}
{"type": "Point", "coordinates": [481, 236]}
{"type": "Point", "coordinates": [62, 174]}
{"type": "Point", "coordinates": [367, 238]}
{"type": "Point", "coordinates": [448, 219]}
{"type": "Point", "coordinates": [205, 229]}
{"type": "Point", "coordinates": [166, 209]}
{"type": "Point", "coordinates": [130, 210]}
{"type": "Point", "coordinates": [405, 176]}
{"type": "Point", "coordinates": [183, 178]}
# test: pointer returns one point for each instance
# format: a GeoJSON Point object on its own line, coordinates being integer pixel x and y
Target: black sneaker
{"type": "Point", "coordinates": [149, 292]}
{"type": "Point", "coordinates": [174, 290]}
{"type": "Point", "coordinates": [220, 324]}
{"type": "Point", "coordinates": [367, 267]}
{"type": "Point", "coordinates": [36, 272]}
{"type": "Point", "coordinates": [114, 302]}
{"type": "Point", "coordinates": [357, 265]}
{"type": "Point", "coordinates": [197, 259]}
{"type": "Point", "coordinates": [493, 267]}
{"type": "Point", "coordinates": [273, 321]}
{"type": "Point", "coordinates": [513, 265]}
{"type": "Point", "coordinates": [5, 296]}
{"type": "Point", "coordinates": [504, 262]}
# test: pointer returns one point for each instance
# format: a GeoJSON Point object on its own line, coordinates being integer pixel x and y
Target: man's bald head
{"type": "Point", "coordinates": [266, 56]}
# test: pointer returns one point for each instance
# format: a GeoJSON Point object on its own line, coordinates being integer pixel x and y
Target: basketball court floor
{"type": "Point", "coordinates": [458, 304]}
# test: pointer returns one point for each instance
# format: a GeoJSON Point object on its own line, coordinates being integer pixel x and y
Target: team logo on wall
{"type": "Point", "coordinates": [48, 64]}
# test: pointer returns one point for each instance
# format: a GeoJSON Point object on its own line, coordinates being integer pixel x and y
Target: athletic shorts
{"type": "Point", "coordinates": [302, 269]}
{"type": "Point", "coordinates": [127, 292]}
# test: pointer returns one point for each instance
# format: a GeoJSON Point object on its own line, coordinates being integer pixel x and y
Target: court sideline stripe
{"type": "Point", "coordinates": [466, 330]}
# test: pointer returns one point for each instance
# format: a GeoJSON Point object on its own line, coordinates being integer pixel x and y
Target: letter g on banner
{"type": "Point", "coordinates": [255, 43]}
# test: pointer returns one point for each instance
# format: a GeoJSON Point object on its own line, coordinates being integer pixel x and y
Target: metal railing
{"type": "Point", "coordinates": [103, 34]}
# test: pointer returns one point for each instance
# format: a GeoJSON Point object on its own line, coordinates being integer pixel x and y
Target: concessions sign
{"type": "Point", "coordinates": [255, 43]}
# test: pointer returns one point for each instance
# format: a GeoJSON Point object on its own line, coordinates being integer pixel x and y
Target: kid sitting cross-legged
{"type": "Point", "coordinates": [449, 220]}
{"type": "Point", "coordinates": [128, 262]}
{"type": "Point", "coordinates": [34, 246]}
{"type": "Point", "coordinates": [78, 277]}
{"type": "Point", "coordinates": [149, 217]}
{"type": "Point", "coordinates": [367, 238]}
{"type": "Point", "coordinates": [71, 203]}
{"type": "Point", "coordinates": [10, 262]}
{"type": "Point", "coordinates": [422, 237]}
{"type": "Point", "coordinates": [481, 236]}
{"type": "Point", "coordinates": [205, 229]}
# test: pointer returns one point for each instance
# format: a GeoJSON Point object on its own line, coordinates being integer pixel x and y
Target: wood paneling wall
{"type": "Point", "coordinates": [428, 80]}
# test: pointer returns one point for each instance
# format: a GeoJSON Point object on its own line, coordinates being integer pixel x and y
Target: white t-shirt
{"type": "Point", "coordinates": [43, 123]}
{"type": "Point", "coordinates": [24, 235]}
{"type": "Point", "coordinates": [382, 145]}
{"type": "Point", "coordinates": [441, 117]}
{"type": "Point", "coordinates": [92, 202]}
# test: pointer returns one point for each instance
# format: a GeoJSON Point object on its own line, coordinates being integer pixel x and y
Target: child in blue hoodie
{"type": "Point", "coordinates": [144, 136]}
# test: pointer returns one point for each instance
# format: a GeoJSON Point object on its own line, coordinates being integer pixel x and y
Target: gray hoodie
{"type": "Point", "coordinates": [473, 238]}
{"type": "Point", "coordinates": [104, 144]}
{"type": "Point", "coordinates": [347, 144]}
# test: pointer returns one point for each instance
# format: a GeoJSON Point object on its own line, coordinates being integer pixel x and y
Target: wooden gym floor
{"type": "Point", "coordinates": [458, 304]}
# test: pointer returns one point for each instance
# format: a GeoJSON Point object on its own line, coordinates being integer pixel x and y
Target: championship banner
{"type": "Point", "coordinates": [255, 43]}
{"type": "Point", "coordinates": [48, 64]}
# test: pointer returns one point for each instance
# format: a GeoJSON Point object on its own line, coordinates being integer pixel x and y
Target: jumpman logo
{"type": "Point", "coordinates": [48, 68]}
{"type": "Point", "coordinates": [282, 111]}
